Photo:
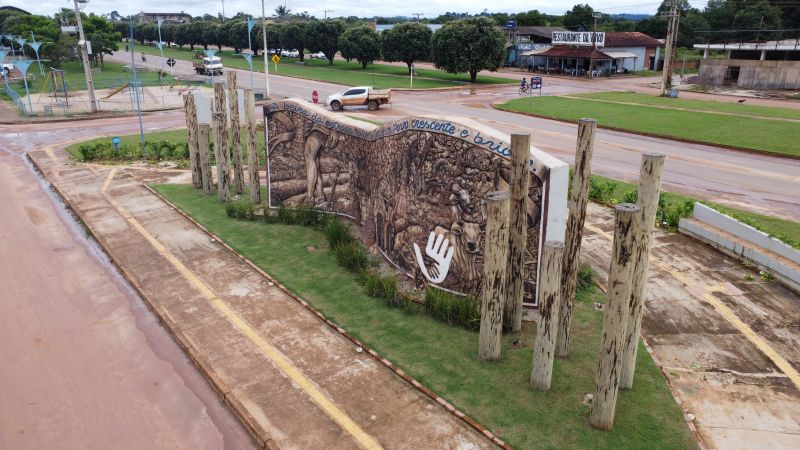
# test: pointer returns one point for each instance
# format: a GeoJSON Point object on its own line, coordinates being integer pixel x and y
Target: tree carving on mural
{"type": "Point", "coordinates": [399, 187]}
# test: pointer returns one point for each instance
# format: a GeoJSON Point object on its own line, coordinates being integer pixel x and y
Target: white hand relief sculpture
{"type": "Point", "coordinates": [439, 250]}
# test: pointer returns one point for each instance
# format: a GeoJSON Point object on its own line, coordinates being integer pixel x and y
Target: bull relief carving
{"type": "Point", "coordinates": [416, 187]}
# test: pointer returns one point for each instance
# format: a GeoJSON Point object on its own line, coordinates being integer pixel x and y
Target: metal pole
{"type": "Point", "coordinates": [161, 50]}
{"type": "Point", "coordinates": [133, 68]}
{"type": "Point", "coordinates": [264, 33]}
{"type": "Point", "coordinates": [85, 57]}
{"type": "Point", "coordinates": [250, 46]}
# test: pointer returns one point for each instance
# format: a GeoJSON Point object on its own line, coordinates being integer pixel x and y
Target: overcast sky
{"type": "Point", "coordinates": [363, 8]}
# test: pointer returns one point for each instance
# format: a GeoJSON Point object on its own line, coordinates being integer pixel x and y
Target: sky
{"type": "Point", "coordinates": [363, 8]}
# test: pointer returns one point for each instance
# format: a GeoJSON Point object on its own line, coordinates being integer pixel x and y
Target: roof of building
{"type": "Point", "coordinates": [563, 51]}
{"type": "Point", "coordinates": [785, 45]}
{"type": "Point", "coordinates": [165, 14]}
{"type": "Point", "coordinates": [14, 8]}
{"type": "Point", "coordinates": [629, 39]}
{"type": "Point", "coordinates": [536, 30]}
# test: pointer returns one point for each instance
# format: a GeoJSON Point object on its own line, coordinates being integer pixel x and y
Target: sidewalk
{"type": "Point", "coordinates": [293, 380]}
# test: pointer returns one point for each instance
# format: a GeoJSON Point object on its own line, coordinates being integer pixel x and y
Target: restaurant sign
{"type": "Point", "coordinates": [578, 38]}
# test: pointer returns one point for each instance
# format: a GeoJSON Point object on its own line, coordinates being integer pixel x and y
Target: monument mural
{"type": "Point", "coordinates": [416, 187]}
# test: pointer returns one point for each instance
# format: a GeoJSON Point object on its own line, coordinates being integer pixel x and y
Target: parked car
{"type": "Point", "coordinates": [318, 55]}
{"type": "Point", "coordinates": [359, 96]}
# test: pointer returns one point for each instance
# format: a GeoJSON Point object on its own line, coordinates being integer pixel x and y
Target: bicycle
{"type": "Point", "coordinates": [523, 90]}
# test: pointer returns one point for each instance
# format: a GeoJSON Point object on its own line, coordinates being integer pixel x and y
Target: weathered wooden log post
{"type": "Point", "coordinates": [518, 229]}
{"type": "Point", "coordinates": [615, 319]}
{"type": "Point", "coordinates": [220, 120]}
{"type": "Point", "coordinates": [204, 153]}
{"type": "Point", "coordinates": [494, 275]}
{"type": "Point", "coordinates": [190, 109]}
{"type": "Point", "coordinates": [236, 138]}
{"type": "Point", "coordinates": [549, 303]}
{"type": "Point", "coordinates": [577, 214]}
{"type": "Point", "coordinates": [252, 146]}
{"type": "Point", "coordinates": [647, 199]}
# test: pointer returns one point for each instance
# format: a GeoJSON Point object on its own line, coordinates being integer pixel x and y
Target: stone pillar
{"type": "Point", "coordinates": [647, 199]}
{"type": "Point", "coordinates": [547, 330]}
{"type": "Point", "coordinates": [615, 318]}
{"type": "Point", "coordinates": [236, 139]}
{"type": "Point", "coordinates": [252, 146]}
{"type": "Point", "coordinates": [579, 196]}
{"type": "Point", "coordinates": [494, 270]}
{"type": "Point", "coordinates": [517, 230]}
{"type": "Point", "coordinates": [190, 109]}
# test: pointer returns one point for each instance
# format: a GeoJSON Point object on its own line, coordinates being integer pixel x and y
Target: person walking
{"type": "Point", "coordinates": [143, 58]}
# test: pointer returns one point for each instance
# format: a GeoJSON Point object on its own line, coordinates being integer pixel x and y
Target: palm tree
{"type": "Point", "coordinates": [282, 11]}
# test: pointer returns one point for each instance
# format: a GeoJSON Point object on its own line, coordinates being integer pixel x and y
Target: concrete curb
{"type": "Point", "coordinates": [375, 355]}
{"type": "Point", "coordinates": [655, 135]}
{"type": "Point", "coordinates": [226, 394]}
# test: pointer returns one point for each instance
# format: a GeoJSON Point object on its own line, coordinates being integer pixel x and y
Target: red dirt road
{"type": "Point", "coordinates": [84, 363]}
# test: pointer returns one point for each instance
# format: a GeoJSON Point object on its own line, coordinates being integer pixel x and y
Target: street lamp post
{"type": "Point", "coordinates": [35, 46]}
{"type": "Point", "coordinates": [250, 24]}
{"type": "Point", "coordinates": [134, 83]}
{"type": "Point", "coordinates": [85, 57]}
{"type": "Point", "coordinates": [264, 32]}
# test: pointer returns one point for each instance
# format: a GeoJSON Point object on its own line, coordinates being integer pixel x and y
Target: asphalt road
{"type": "Point", "coordinates": [750, 181]}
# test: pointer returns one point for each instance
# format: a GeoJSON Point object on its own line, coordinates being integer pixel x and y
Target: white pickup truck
{"type": "Point", "coordinates": [359, 96]}
{"type": "Point", "coordinates": [208, 66]}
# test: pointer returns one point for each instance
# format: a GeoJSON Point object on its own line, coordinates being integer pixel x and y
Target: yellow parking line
{"type": "Point", "coordinates": [278, 359]}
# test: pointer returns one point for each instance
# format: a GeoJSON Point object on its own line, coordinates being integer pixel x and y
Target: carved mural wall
{"type": "Point", "coordinates": [401, 181]}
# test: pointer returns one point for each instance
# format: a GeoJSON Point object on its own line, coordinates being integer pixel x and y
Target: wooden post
{"type": "Point", "coordinates": [647, 199]}
{"type": "Point", "coordinates": [252, 146]}
{"type": "Point", "coordinates": [221, 152]}
{"type": "Point", "coordinates": [615, 318]}
{"type": "Point", "coordinates": [204, 154]}
{"type": "Point", "coordinates": [495, 255]}
{"type": "Point", "coordinates": [236, 139]}
{"type": "Point", "coordinates": [190, 109]}
{"type": "Point", "coordinates": [579, 196]}
{"type": "Point", "coordinates": [549, 303]}
{"type": "Point", "coordinates": [518, 229]}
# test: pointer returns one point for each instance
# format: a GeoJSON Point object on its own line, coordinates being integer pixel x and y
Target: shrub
{"type": "Point", "coordinates": [453, 309]}
{"type": "Point", "coordinates": [380, 287]}
{"type": "Point", "coordinates": [286, 215]}
{"type": "Point", "coordinates": [352, 256]}
{"type": "Point", "coordinates": [337, 232]}
{"type": "Point", "coordinates": [585, 277]}
{"type": "Point", "coordinates": [669, 214]}
{"type": "Point", "coordinates": [241, 209]}
{"type": "Point", "coordinates": [309, 217]}
{"type": "Point", "coordinates": [601, 191]}
{"type": "Point", "coordinates": [630, 196]}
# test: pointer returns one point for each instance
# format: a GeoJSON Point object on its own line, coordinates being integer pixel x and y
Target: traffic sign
{"type": "Point", "coordinates": [276, 59]}
{"type": "Point", "coordinates": [171, 62]}
{"type": "Point", "coordinates": [536, 82]}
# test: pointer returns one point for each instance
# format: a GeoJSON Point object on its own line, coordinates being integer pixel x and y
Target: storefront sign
{"type": "Point", "coordinates": [578, 38]}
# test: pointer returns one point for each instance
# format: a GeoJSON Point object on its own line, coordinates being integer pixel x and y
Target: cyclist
{"type": "Point", "coordinates": [524, 84]}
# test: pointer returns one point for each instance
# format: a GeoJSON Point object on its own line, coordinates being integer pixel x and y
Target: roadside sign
{"type": "Point", "coordinates": [171, 62]}
{"type": "Point", "coordinates": [115, 142]}
{"type": "Point", "coordinates": [536, 82]}
{"type": "Point", "coordinates": [276, 59]}
{"type": "Point", "coordinates": [315, 97]}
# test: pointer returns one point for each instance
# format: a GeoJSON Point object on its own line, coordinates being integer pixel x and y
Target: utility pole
{"type": "Point", "coordinates": [223, 10]}
{"type": "Point", "coordinates": [328, 11]}
{"type": "Point", "coordinates": [417, 15]}
{"type": "Point", "coordinates": [87, 71]}
{"type": "Point", "coordinates": [595, 15]}
{"type": "Point", "coordinates": [264, 33]}
{"type": "Point", "coordinates": [672, 33]}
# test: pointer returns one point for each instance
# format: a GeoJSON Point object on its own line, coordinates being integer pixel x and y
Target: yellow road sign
{"type": "Point", "coordinates": [276, 59]}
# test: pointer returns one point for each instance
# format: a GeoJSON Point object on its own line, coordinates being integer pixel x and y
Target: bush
{"type": "Point", "coordinates": [669, 214]}
{"type": "Point", "coordinates": [241, 209]}
{"type": "Point", "coordinates": [149, 151]}
{"type": "Point", "coordinates": [453, 309]}
{"type": "Point", "coordinates": [352, 256]}
{"type": "Point", "coordinates": [630, 196]}
{"type": "Point", "coordinates": [585, 277]}
{"type": "Point", "coordinates": [337, 232]}
{"type": "Point", "coordinates": [601, 191]}
{"type": "Point", "coordinates": [380, 287]}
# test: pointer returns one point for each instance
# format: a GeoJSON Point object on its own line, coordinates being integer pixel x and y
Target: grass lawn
{"type": "Point", "coordinates": [699, 105]}
{"type": "Point", "coordinates": [380, 76]}
{"type": "Point", "coordinates": [444, 358]}
{"type": "Point", "coordinates": [756, 134]}
{"type": "Point", "coordinates": [785, 230]}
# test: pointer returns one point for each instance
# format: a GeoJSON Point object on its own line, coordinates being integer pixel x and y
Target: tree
{"type": "Point", "coordinates": [293, 37]}
{"type": "Point", "coordinates": [468, 45]}
{"type": "Point", "coordinates": [531, 18]}
{"type": "Point", "coordinates": [689, 27]}
{"type": "Point", "coordinates": [323, 36]}
{"type": "Point", "coordinates": [758, 16]}
{"type": "Point", "coordinates": [579, 16]}
{"type": "Point", "coordinates": [102, 35]}
{"type": "Point", "coordinates": [360, 43]}
{"type": "Point", "coordinates": [282, 11]}
{"type": "Point", "coordinates": [406, 42]}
